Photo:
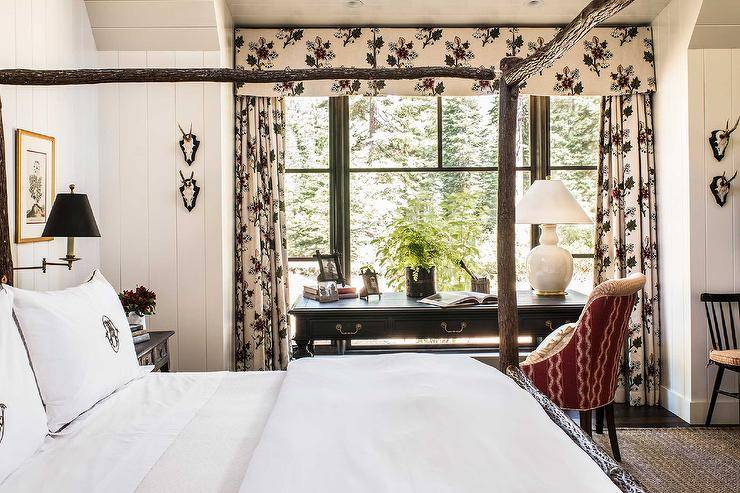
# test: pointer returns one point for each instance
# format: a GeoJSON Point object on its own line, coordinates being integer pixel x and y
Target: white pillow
{"type": "Point", "coordinates": [22, 418]}
{"type": "Point", "coordinates": [80, 346]}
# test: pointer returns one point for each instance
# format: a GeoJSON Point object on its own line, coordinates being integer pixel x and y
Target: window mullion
{"type": "Point", "coordinates": [540, 147]}
{"type": "Point", "coordinates": [439, 132]}
{"type": "Point", "coordinates": [339, 181]}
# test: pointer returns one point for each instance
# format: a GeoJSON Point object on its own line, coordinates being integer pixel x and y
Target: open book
{"type": "Point", "coordinates": [458, 298]}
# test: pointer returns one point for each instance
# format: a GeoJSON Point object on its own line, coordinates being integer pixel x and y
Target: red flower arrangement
{"type": "Point", "coordinates": [140, 301]}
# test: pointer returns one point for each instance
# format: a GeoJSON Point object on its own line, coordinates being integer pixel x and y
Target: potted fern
{"type": "Point", "coordinates": [411, 253]}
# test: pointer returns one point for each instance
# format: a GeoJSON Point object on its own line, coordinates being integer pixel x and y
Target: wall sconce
{"type": "Point", "coordinates": [70, 216]}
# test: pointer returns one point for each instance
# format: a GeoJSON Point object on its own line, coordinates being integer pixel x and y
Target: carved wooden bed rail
{"type": "Point", "coordinates": [620, 477]}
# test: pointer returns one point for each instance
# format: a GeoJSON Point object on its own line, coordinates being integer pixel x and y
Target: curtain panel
{"type": "Point", "coordinates": [626, 235]}
{"type": "Point", "coordinates": [261, 261]}
{"type": "Point", "coordinates": [609, 61]}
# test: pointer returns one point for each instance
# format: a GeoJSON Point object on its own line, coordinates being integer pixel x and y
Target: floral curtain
{"type": "Point", "coordinates": [609, 60]}
{"type": "Point", "coordinates": [626, 234]}
{"type": "Point", "coordinates": [261, 262]}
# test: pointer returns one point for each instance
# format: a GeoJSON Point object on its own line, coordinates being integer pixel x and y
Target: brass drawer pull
{"type": "Point", "coordinates": [446, 328]}
{"type": "Point", "coordinates": [548, 324]}
{"type": "Point", "coordinates": [340, 329]}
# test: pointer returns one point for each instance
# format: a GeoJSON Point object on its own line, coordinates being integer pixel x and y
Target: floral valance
{"type": "Point", "coordinates": [609, 61]}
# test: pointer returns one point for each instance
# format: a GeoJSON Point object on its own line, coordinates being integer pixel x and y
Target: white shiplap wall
{"type": "Point", "coordinates": [672, 30]}
{"type": "Point", "coordinates": [148, 236]}
{"type": "Point", "coordinates": [52, 34]}
{"type": "Point", "coordinates": [714, 95]}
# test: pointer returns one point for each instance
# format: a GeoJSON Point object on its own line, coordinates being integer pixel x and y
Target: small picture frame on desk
{"type": "Point", "coordinates": [330, 267]}
{"type": "Point", "coordinates": [370, 285]}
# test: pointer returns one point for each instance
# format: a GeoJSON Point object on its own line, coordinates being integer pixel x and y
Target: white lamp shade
{"type": "Point", "coordinates": [549, 202]}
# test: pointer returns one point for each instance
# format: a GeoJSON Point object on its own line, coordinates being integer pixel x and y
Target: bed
{"type": "Point", "coordinates": [404, 422]}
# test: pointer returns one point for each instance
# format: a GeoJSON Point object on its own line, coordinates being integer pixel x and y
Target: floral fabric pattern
{"type": "Point", "coordinates": [261, 260]}
{"type": "Point", "coordinates": [626, 234]}
{"type": "Point", "coordinates": [610, 61]}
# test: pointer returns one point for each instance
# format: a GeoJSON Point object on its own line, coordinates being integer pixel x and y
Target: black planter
{"type": "Point", "coordinates": [420, 283]}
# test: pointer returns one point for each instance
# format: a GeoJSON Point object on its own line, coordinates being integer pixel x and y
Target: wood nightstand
{"type": "Point", "coordinates": [155, 351]}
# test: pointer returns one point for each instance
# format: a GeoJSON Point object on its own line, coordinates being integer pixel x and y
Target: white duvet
{"type": "Point", "coordinates": [413, 423]}
{"type": "Point", "coordinates": [180, 432]}
{"type": "Point", "coordinates": [390, 423]}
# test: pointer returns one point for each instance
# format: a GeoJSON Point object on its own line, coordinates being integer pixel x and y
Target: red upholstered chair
{"type": "Point", "coordinates": [577, 367]}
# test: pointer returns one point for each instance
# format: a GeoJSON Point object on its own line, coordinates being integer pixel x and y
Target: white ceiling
{"type": "Point", "coordinates": [149, 25]}
{"type": "Point", "coordinates": [194, 24]}
{"type": "Point", "coordinates": [275, 13]}
{"type": "Point", "coordinates": [718, 25]}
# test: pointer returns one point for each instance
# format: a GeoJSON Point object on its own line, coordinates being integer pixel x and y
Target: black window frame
{"type": "Point", "coordinates": [339, 169]}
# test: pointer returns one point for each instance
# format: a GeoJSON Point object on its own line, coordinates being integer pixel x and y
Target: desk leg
{"type": "Point", "coordinates": [304, 348]}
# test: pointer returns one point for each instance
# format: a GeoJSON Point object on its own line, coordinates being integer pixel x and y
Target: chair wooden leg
{"type": "Point", "coordinates": [585, 421]}
{"type": "Point", "coordinates": [600, 421]}
{"type": "Point", "coordinates": [717, 385]}
{"type": "Point", "coordinates": [609, 411]}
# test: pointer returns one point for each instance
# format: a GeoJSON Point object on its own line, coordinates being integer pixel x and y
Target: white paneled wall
{"type": "Point", "coordinates": [714, 92]}
{"type": "Point", "coordinates": [149, 237]}
{"type": "Point", "coordinates": [672, 30]}
{"type": "Point", "coordinates": [52, 34]}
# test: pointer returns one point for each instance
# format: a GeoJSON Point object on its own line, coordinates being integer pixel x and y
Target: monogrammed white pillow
{"type": "Point", "coordinates": [80, 346]}
{"type": "Point", "coordinates": [22, 417]}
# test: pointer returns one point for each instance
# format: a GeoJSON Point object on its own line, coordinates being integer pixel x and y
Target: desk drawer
{"type": "Point", "coordinates": [350, 328]}
{"type": "Point", "coordinates": [446, 326]}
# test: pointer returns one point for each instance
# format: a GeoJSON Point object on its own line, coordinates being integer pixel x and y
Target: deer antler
{"type": "Point", "coordinates": [733, 176]}
{"type": "Point", "coordinates": [191, 127]}
{"type": "Point", "coordinates": [728, 131]}
{"type": "Point", "coordinates": [181, 130]}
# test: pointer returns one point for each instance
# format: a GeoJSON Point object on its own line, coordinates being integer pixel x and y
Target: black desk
{"type": "Point", "coordinates": [397, 316]}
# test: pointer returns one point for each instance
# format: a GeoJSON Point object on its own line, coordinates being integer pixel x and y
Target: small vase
{"type": "Point", "coordinates": [134, 318]}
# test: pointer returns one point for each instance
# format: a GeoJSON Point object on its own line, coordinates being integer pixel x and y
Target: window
{"type": "Point", "coordinates": [574, 157]}
{"type": "Point", "coordinates": [355, 163]}
{"type": "Point", "coordinates": [307, 191]}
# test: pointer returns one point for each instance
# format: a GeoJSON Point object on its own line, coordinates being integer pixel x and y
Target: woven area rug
{"type": "Point", "coordinates": [678, 460]}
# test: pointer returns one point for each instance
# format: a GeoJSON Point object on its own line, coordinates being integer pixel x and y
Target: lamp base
{"type": "Point", "coordinates": [539, 292]}
{"type": "Point", "coordinates": [549, 267]}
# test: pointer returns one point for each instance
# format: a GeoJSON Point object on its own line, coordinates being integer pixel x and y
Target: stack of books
{"type": "Point", "coordinates": [139, 333]}
{"type": "Point", "coordinates": [326, 295]}
{"type": "Point", "coordinates": [347, 292]}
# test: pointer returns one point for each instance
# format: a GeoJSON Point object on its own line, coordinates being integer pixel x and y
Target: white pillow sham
{"type": "Point", "coordinates": [22, 417]}
{"type": "Point", "coordinates": [80, 346]}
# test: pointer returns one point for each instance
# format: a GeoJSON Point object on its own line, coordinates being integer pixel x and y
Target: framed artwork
{"type": "Point", "coordinates": [330, 267]}
{"type": "Point", "coordinates": [370, 284]}
{"type": "Point", "coordinates": [34, 184]}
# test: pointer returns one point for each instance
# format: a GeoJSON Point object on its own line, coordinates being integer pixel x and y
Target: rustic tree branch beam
{"type": "Point", "coordinates": [593, 14]}
{"type": "Point", "coordinates": [508, 318]}
{"type": "Point", "coordinates": [6, 257]}
{"type": "Point", "coordinates": [515, 71]}
{"type": "Point", "coordinates": [24, 77]}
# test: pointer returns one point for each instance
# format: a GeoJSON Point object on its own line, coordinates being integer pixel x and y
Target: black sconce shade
{"type": "Point", "coordinates": [71, 216]}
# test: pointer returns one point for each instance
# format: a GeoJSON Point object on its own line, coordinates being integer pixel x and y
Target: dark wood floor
{"type": "Point", "coordinates": [642, 417]}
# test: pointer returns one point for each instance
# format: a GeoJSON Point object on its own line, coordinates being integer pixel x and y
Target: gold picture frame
{"type": "Point", "coordinates": [35, 163]}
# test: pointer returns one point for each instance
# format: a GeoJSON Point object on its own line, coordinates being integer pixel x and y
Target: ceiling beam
{"type": "Point", "coordinates": [593, 14]}
{"type": "Point", "coordinates": [26, 77]}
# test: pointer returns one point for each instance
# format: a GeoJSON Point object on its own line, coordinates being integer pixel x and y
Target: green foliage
{"type": "Point", "coordinates": [421, 235]}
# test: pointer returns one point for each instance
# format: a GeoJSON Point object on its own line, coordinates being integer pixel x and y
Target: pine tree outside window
{"type": "Point", "coordinates": [354, 163]}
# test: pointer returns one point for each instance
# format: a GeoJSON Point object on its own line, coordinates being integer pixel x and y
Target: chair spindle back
{"type": "Point", "coordinates": [721, 310]}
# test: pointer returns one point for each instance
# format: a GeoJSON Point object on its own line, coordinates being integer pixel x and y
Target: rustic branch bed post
{"type": "Point", "coordinates": [514, 71]}
{"type": "Point", "coordinates": [6, 256]}
{"type": "Point", "coordinates": [508, 319]}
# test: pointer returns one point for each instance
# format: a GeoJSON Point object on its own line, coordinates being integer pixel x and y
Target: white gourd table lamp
{"type": "Point", "coordinates": [548, 203]}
